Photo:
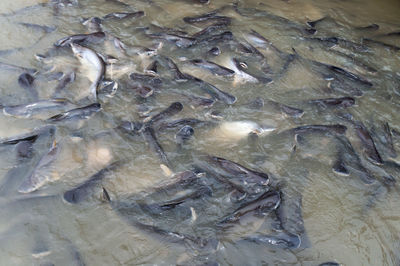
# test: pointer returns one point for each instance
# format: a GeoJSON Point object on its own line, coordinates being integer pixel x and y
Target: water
{"type": "Point", "coordinates": [346, 221]}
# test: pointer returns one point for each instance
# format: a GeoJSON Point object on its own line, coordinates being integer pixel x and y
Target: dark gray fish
{"type": "Point", "coordinates": [192, 195]}
{"type": "Point", "coordinates": [261, 206]}
{"type": "Point", "coordinates": [38, 27]}
{"type": "Point", "coordinates": [335, 129]}
{"type": "Point", "coordinates": [108, 87]}
{"type": "Point", "coordinates": [247, 48]}
{"type": "Point", "coordinates": [124, 15]}
{"type": "Point", "coordinates": [210, 29]}
{"type": "Point", "coordinates": [215, 51]}
{"type": "Point", "coordinates": [184, 134]}
{"type": "Point", "coordinates": [197, 101]}
{"type": "Point", "coordinates": [93, 24]}
{"type": "Point", "coordinates": [371, 27]}
{"type": "Point", "coordinates": [348, 162]}
{"type": "Point", "coordinates": [149, 80]}
{"type": "Point", "coordinates": [63, 82]}
{"type": "Point", "coordinates": [385, 137]}
{"type": "Point", "coordinates": [282, 239]}
{"type": "Point", "coordinates": [27, 110]}
{"type": "Point", "coordinates": [150, 137]}
{"type": "Point", "coordinates": [217, 38]}
{"type": "Point", "coordinates": [349, 75]}
{"type": "Point", "coordinates": [181, 122]}
{"type": "Point", "coordinates": [180, 41]}
{"type": "Point", "coordinates": [143, 91]}
{"type": "Point", "coordinates": [171, 110]}
{"type": "Point", "coordinates": [78, 113]}
{"type": "Point", "coordinates": [368, 143]}
{"type": "Point", "coordinates": [25, 80]}
{"type": "Point", "coordinates": [329, 263]}
{"type": "Point", "coordinates": [249, 176]}
{"type": "Point", "coordinates": [212, 67]}
{"type": "Point", "coordinates": [86, 189]}
{"type": "Point", "coordinates": [207, 18]}
{"type": "Point", "coordinates": [216, 93]}
{"type": "Point", "coordinates": [95, 37]}
{"type": "Point", "coordinates": [259, 103]}
{"type": "Point", "coordinates": [343, 102]}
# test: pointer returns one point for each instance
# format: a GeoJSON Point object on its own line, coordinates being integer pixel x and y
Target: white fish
{"type": "Point", "coordinates": [92, 61]}
{"type": "Point", "coordinates": [236, 130]}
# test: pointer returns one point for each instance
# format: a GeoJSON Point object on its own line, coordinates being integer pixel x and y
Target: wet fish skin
{"type": "Point", "coordinates": [77, 113]}
{"type": "Point", "coordinates": [171, 110]}
{"type": "Point", "coordinates": [64, 81]}
{"type": "Point", "coordinates": [124, 15]}
{"type": "Point", "coordinates": [93, 24]}
{"type": "Point", "coordinates": [343, 102]}
{"type": "Point", "coordinates": [263, 205]}
{"type": "Point", "coordinates": [95, 37]}
{"type": "Point", "coordinates": [150, 137]}
{"type": "Point", "coordinates": [248, 175]}
{"type": "Point", "coordinates": [89, 57]}
{"type": "Point", "coordinates": [242, 67]}
{"type": "Point", "coordinates": [26, 110]}
{"type": "Point", "coordinates": [222, 37]}
{"type": "Point", "coordinates": [212, 67]}
{"type": "Point", "coordinates": [206, 18]}
{"type": "Point", "coordinates": [24, 149]}
{"type": "Point", "coordinates": [180, 122]}
{"type": "Point", "coordinates": [26, 80]}
{"type": "Point", "coordinates": [180, 41]}
{"type": "Point", "coordinates": [336, 129]}
{"type": "Point", "coordinates": [210, 29]}
{"type": "Point", "coordinates": [368, 143]}
{"type": "Point", "coordinates": [215, 51]}
{"type": "Point", "coordinates": [37, 178]}
{"type": "Point", "coordinates": [282, 240]}
{"type": "Point", "coordinates": [82, 192]}
{"type": "Point", "coordinates": [12, 67]}
{"type": "Point", "coordinates": [184, 134]}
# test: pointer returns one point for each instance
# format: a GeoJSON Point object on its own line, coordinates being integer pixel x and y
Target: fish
{"type": "Point", "coordinates": [46, 29]}
{"type": "Point", "coordinates": [27, 110]}
{"type": "Point", "coordinates": [217, 38]}
{"type": "Point", "coordinates": [216, 93]}
{"type": "Point", "coordinates": [150, 137]}
{"type": "Point", "coordinates": [93, 24]}
{"type": "Point", "coordinates": [371, 42]}
{"type": "Point", "coordinates": [181, 122]}
{"type": "Point", "coordinates": [215, 51]}
{"type": "Point", "coordinates": [41, 174]}
{"type": "Point", "coordinates": [249, 176]}
{"type": "Point", "coordinates": [30, 136]}
{"type": "Point", "coordinates": [63, 82]}
{"type": "Point", "coordinates": [77, 113]}
{"type": "Point", "coordinates": [335, 129]}
{"type": "Point", "coordinates": [89, 57]}
{"type": "Point", "coordinates": [368, 143]}
{"type": "Point", "coordinates": [184, 134]}
{"type": "Point", "coordinates": [95, 37]}
{"type": "Point", "coordinates": [349, 163]}
{"type": "Point", "coordinates": [26, 80]}
{"type": "Point", "coordinates": [124, 15]}
{"type": "Point", "coordinates": [209, 29]}
{"type": "Point", "coordinates": [213, 67]}
{"type": "Point", "coordinates": [207, 18]}
{"type": "Point", "coordinates": [259, 103]}
{"type": "Point", "coordinates": [179, 40]}
{"type": "Point", "coordinates": [173, 109]}
{"type": "Point", "coordinates": [385, 137]}
{"type": "Point", "coordinates": [261, 206]}
{"type": "Point", "coordinates": [342, 102]}
{"type": "Point", "coordinates": [83, 191]}
{"type": "Point", "coordinates": [283, 240]}
{"type": "Point", "coordinates": [11, 67]}
{"type": "Point", "coordinates": [241, 69]}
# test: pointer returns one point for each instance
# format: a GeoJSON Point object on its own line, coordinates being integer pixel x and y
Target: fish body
{"type": "Point", "coordinates": [90, 58]}
{"type": "Point", "coordinates": [26, 110]}
{"type": "Point", "coordinates": [41, 174]}
{"type": "Point", "coordinates": [77, 113]}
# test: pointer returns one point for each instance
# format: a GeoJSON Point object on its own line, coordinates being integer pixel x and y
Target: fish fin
{"type": "Point", "coordinates": [105, 196]}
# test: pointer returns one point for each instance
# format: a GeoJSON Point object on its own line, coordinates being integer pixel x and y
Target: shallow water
{"type": "Point", "coordinates": [346, 220]}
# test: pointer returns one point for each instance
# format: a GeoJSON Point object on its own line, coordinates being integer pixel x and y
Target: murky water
{"type": "Point", "coordinates": [337, 197]}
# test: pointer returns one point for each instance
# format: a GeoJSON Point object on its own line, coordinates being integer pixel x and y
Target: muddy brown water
{"type": "Point", "coordinates": [346, 221]}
